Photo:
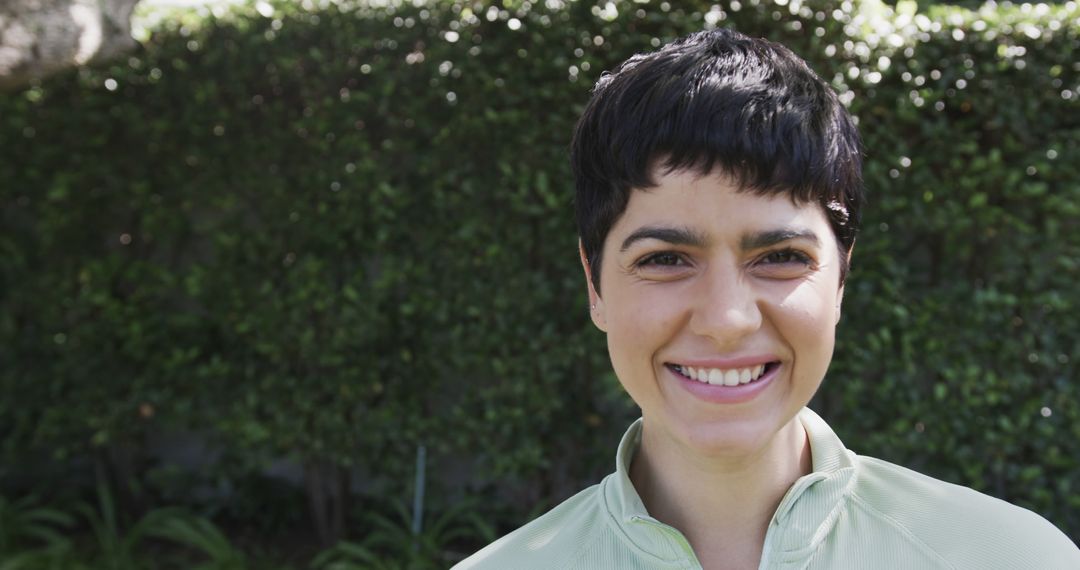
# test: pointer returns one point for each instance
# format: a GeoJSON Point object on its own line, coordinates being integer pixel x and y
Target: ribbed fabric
{"type": "Point", "coordinates": [850, 512]}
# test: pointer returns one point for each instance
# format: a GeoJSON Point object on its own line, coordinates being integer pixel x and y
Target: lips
{"type": "Point", "coordinates": [721, 376]}
{"type": "Point", "coordinates": [757, 372]}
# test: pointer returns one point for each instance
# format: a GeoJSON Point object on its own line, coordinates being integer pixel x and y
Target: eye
{"type": "Point", "coordinates": [661, 259]}
{"type": "Point", "coordinates": [785, 264]}
{"type": "Point", "coordinates": [786, 256]}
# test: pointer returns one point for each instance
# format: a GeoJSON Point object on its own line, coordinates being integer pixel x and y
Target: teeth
{"type": "Point", "coordinates": [718, 377]}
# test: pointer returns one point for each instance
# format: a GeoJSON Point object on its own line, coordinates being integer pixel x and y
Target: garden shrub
{"type": "Point", "coordinates": [334, 232]}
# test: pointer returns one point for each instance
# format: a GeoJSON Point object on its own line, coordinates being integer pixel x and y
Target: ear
{"type": "Point", "coordinates": [840, 290]}
{"type": "Point", "coordinates": [596, 304]}
{"type": "Point", "coordinates": [839, 301]}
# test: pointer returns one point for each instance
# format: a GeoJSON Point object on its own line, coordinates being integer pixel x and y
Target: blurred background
{"type": "Point", "coordinates": [295, 284]}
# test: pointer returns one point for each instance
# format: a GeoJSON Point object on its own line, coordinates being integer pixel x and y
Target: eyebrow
{"type": "Point", "coordinates": [687, 236]}
{"type": "Point", "coordinates": [675, 236]}
{"type": "Point", "coordinates": [772, 237]}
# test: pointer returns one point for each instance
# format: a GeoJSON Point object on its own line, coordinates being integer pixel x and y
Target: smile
{"type": "Point", "coordinates": [723, 377]}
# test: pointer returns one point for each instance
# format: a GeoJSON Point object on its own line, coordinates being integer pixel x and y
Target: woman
{"type": "Point", "coordinates": [718, 198]}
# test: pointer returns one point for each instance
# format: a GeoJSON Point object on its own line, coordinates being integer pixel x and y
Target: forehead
{"type": "Point", "coordinates": [715, 204]}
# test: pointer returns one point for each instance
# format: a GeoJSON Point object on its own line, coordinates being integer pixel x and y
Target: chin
{"type": "Point", "coordinates": [730, 436]}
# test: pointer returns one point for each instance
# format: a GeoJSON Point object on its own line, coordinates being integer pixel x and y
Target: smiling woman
{"type": "Point", "coordinates": [718, 198]}
{"type": "Point", "coordinates": [723, 283]}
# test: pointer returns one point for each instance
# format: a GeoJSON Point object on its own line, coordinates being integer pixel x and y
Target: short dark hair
{"type": "Point", "coordinates": [716, 99]}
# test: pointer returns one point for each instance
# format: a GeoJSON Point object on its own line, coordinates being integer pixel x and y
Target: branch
{"type": "Point", "coordinates": [41, 37]}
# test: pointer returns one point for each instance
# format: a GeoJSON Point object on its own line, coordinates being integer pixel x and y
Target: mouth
{"type": "Point", "coordinates": [725, 376]}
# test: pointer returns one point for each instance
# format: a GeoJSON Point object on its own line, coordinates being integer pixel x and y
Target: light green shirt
{"type": "Point", "coordinates": [851, 512]}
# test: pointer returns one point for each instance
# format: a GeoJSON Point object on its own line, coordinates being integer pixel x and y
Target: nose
{"type": "Point", "coordinates": [726, 307]}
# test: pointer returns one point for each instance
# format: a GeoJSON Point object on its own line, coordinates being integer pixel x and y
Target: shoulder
{"type": "Point", "coordinates": [958, 525]}
{"type": "Point", "coordinates": [549, 541]}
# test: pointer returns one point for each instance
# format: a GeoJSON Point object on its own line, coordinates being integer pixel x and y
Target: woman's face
{"type": "Point", "coordinates": [720, 309]}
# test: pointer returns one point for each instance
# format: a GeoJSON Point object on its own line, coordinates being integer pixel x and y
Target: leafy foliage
{"type": "Point", "coordinates": [33, 535]}
{"type": "Point", "coordinates": [333, 234]}
{"type": "Point", "coordinates": [391, 544]}
{"type": "Point", "coordinates": [37, 538]}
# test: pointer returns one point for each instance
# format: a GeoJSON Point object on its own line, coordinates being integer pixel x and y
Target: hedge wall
{"type": "Point", "coordinates": [335, 232]}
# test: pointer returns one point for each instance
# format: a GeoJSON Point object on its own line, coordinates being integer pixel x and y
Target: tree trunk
{"type": "Point", "coordinates": [122, 463]}
{"type": "Point", "coordinates": [326, 485]}
{"type": "Point", "coordinates": [41, 37]}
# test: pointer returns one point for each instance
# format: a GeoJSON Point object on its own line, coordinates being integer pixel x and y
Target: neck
{"type": "Point", "coordinates": [721, 504]}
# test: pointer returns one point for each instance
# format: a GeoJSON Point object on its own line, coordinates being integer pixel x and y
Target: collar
{"type": "Point", "coordinates": [803, 519]}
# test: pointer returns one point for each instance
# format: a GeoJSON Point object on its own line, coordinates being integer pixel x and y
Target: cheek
{"type": "Point", "coordinates": [639, 327]}
{"type": "Point", "coordinates": [809, 316]}
{"type": "Point", "coordinates": [808, 302]}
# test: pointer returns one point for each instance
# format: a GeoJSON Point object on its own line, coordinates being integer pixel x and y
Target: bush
{"type": "Point", "coordinates": [334, 234]}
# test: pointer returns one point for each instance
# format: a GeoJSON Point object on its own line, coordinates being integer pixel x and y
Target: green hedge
{"type": "Point", "coordinates": [336, 233]}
